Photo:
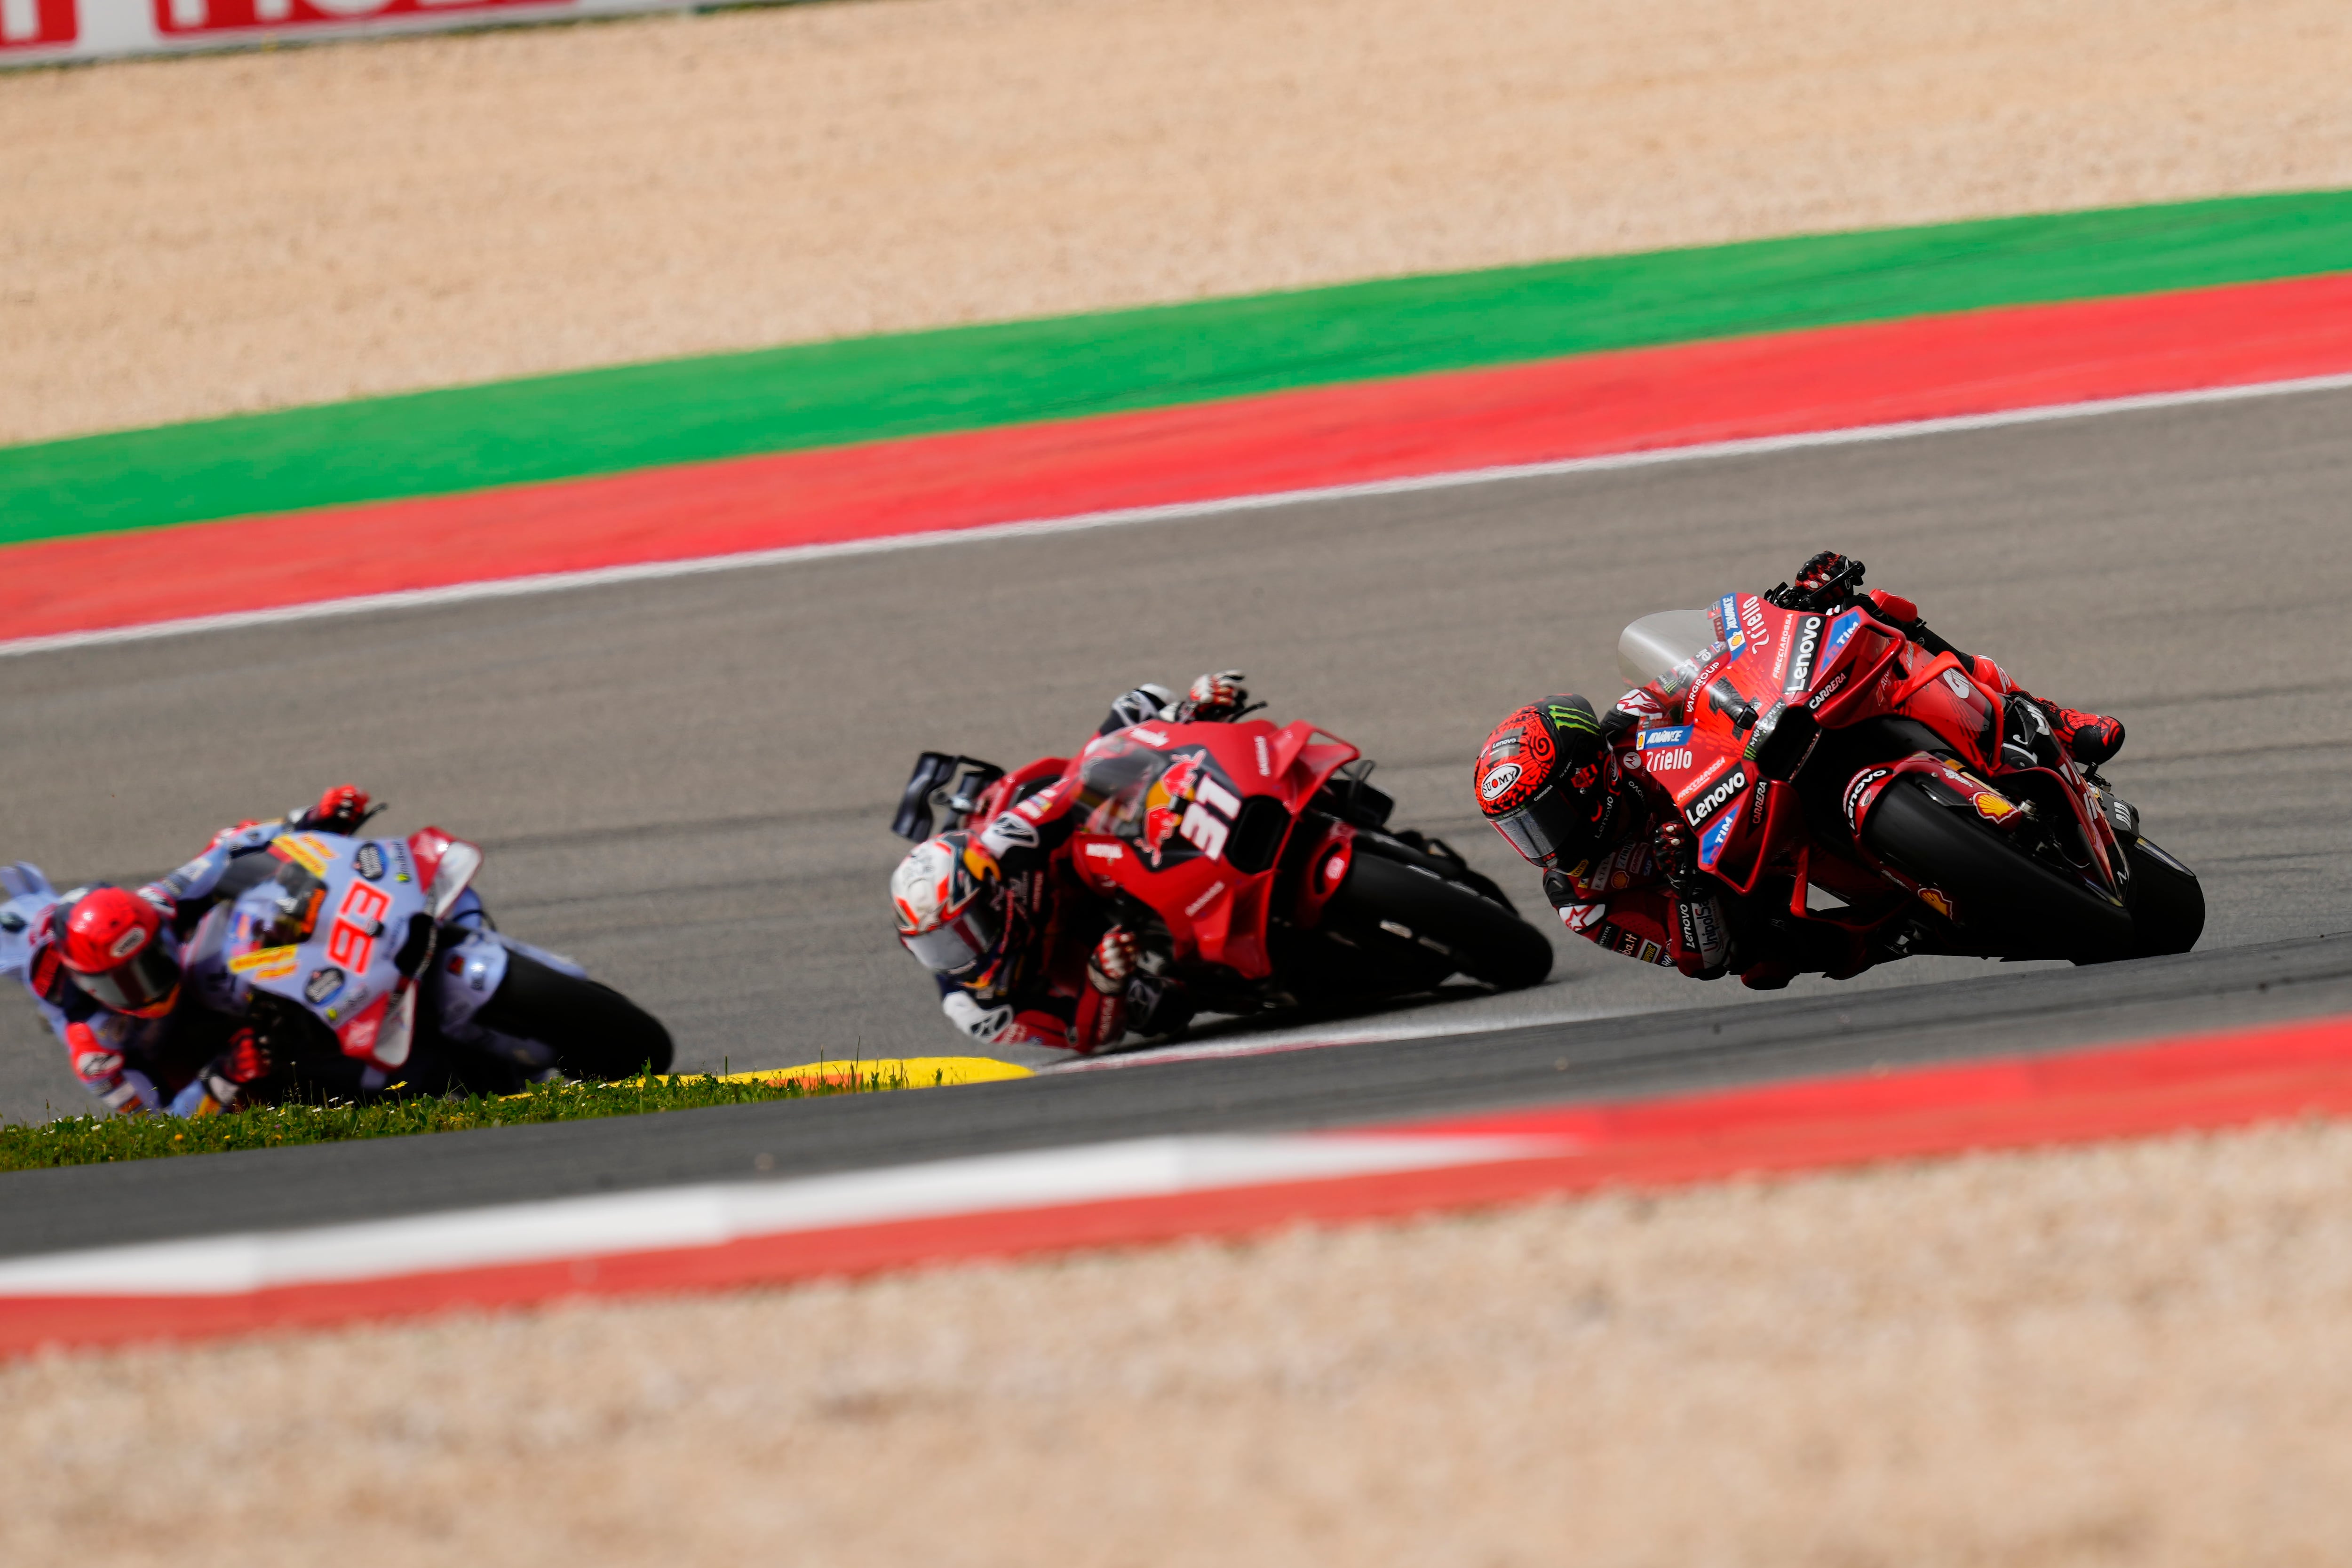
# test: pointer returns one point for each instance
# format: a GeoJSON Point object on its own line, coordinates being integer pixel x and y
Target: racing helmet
{"type": "Point", "coordinates": [1545, 780]}
{"type": "Point", "coordinates": [110, 943]}
{"type": "Point", "coordinates": [949, 896]}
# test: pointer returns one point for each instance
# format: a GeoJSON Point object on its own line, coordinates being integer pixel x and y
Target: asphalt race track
{"type": "Point", "coordinates": [685, 784]}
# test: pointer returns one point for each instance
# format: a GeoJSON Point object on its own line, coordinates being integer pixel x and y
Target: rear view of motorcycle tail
{"type": "Point", "coordinates": [371, 967]}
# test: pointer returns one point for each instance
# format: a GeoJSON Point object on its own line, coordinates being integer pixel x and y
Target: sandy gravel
{"type": "Point", "coordinates": [2139, 1354]}
{"type": "Point", "coordinates": [193, 237]}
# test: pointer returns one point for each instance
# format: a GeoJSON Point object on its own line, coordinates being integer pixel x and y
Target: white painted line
{"type": "Point", "coordinates": [650, 570]}
{"type": "Point", "coordinates": [1276, 1042]}
{"type": "Point", "coordinates": [712, 1215]}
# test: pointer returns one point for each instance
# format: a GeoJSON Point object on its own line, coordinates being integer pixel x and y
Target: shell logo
{"type": "Point", "coordinates": [1993, 807]}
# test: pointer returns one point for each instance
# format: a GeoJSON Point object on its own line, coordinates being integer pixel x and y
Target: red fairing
{"type": "Point", "coordinates": [427, 846]}
{"type": "Point", "coordinates": [1164, 803]}
{"type": "Point", "coordinates": [1717, 745]}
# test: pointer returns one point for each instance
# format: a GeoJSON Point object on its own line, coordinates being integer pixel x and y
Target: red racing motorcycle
{"type": "Point", "coordinates": [1834, 771]}
{"type": "Point", "coordinates": [1256, 864]}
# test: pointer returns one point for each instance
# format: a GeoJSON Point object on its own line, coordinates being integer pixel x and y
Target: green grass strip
{"type": "Point", "coordinates": [867, 389]}
{"type": "Point", "coordinates": [100, 1139]}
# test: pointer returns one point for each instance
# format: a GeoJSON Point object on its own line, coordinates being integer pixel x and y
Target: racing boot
{"type": "Point", "coordinates": [2090, 738]}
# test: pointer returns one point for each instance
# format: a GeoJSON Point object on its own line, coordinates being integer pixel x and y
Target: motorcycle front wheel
{"type": "Point", "coordinates": [595, 1031]}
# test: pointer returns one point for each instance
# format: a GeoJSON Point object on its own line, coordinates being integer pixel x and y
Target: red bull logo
{"type": "Point", "coordinates": [1163, 806]}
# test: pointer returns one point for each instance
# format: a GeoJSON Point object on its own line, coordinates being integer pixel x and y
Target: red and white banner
{"type": "Point", "coordinates": [35, 32]}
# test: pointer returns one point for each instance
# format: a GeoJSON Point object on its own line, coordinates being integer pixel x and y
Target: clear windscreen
{"type": "Point", "coordinates": [1115, 787]}
{"type": "Point", "coordinates": [1656, 644]}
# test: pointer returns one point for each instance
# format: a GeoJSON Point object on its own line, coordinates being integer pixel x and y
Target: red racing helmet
{"type": "Point", "coordinates": [1545, 780]}
{"type": "Point", "coordinates": [110, 943]}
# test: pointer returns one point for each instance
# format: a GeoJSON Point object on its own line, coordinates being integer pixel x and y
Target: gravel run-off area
{"type": "Point", "coordinates": [2133, 1353]}
{"type": "Point", "coordinates": [2129, 1354]}
{"type": "Point", "coordinates": [198, 236]}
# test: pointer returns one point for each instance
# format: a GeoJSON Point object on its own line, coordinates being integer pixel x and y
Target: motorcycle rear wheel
{"type": "Point", "coordinates": [596, 1031]}
{"type": "Point", "coordinates": [2009, 904]}
{"type": "Point", "coordinates": [1413, 922]}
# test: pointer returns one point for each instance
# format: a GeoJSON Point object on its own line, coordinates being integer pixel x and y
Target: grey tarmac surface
{"type": "Point", "coordinates": [1680, 1049]}
{"type": "Point", "coordinates": [685, 784]}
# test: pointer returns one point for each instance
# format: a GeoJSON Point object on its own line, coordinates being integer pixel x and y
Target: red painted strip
{"type": "Point", "coordinates": [2203, 1082]}
{"type": "Point", "coordinates": [1982, 362]}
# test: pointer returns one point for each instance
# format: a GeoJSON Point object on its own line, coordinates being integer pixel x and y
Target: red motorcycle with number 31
{"type": "Point", "coordinates": [1256, 864]}
{"type": "Point", "coordinates": [1832, 768]}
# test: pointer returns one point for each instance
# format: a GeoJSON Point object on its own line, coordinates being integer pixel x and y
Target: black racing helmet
{"type": "Point", "coordinates": [1545, 780]}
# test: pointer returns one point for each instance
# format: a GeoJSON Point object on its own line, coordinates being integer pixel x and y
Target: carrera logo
{"type": "Point", "coordinates": [1853, 793]}
{"type": "Point", "coordinates": [1710, 802]}
{"type": "Point", "coordinates": [1800, 662]}
{"type": "Point", "coordinates": [1499, 780]}
{"type": "Point", "coordinates": [1829, 690]}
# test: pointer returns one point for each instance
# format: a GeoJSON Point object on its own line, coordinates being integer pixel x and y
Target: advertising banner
{"type": "Point", "coordinates": [35, 32]}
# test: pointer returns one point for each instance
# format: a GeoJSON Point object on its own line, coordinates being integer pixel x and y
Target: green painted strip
{"type": "Point", "coordinates": [636, 416]}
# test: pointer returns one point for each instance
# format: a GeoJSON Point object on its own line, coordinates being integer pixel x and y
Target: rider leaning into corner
{"type": "Point", "coordinates": [997, 918]}
{"type": "Point", "coordinates": [106, 966]}
{"type": "Point", "coordinates": [1551, 778]}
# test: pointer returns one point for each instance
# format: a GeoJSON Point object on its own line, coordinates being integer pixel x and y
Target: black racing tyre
{"type": "Point", "coordinates": [2008, 904]}
{"type": "Point", "coordinates": [1416, 920]}
{"type": "Point", "coordinates": [2166, 901]}
{"type": "Point", "coordinates": [597, 1033]}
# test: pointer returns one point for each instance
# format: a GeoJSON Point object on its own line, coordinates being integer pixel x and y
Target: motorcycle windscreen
{"type": "Point", "coordinates": [1115, 787]}
{"type": "Point", "coordinates": [1655, 645]}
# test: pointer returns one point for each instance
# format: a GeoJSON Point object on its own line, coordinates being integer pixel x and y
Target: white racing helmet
{"type": "Point", "coordinates": [946, 895]}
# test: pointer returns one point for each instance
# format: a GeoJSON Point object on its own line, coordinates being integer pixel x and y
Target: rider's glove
{"type": "Point", "coordinates": [1113, 964]}
{"type": "Point", "coordinates": [1814, 580]}
{"type": "Point", "coordinates": [341, 809]}
{"type": "Point", "coordinates": [1677, 854]}
{"type": "Point", "coordinates": [236, 1069]}
{"type": "Point", "coordinates": [1214, 697]}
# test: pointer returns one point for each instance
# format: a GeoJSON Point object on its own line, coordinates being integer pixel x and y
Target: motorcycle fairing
{"type": "Point", "coordinates": [1165, 803]}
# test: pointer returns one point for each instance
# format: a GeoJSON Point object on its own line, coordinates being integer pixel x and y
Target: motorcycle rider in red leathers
{"type": "Point", "coordinates": [104, 966]}
{"type": "Point", "coordinates": [1552, 778]}
{"type": "Point", "coordinates": [995, 914]}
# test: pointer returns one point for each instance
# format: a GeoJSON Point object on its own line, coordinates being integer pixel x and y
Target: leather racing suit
{"type": "Point", "coordinates": [183, 1062]}
{"type": "Point", "coordinates": [1643, 896]}
{"type": "Point", "coordinates": [1063, 975]}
